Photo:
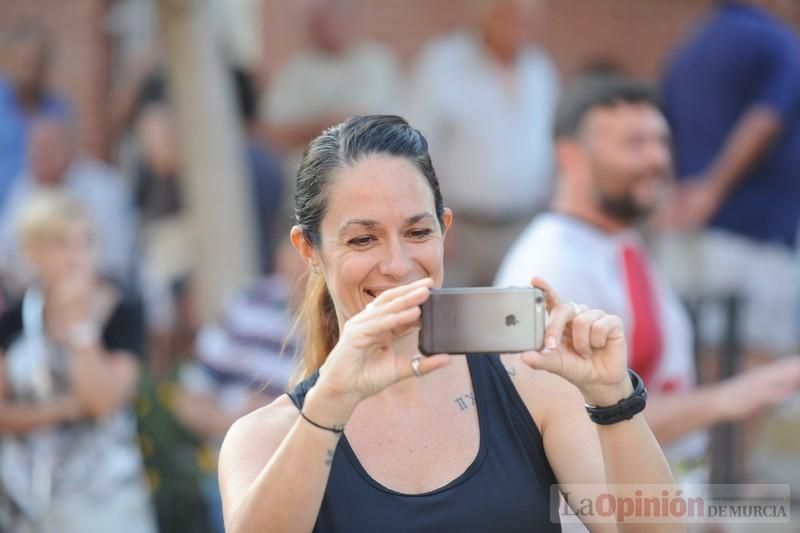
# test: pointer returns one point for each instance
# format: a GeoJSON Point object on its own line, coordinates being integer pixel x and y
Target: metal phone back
{"type": "Point", "coordinates": [483, 320]}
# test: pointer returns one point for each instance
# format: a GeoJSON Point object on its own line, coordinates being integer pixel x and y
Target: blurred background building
{"type": "Point", "coordinates": [100, 41]}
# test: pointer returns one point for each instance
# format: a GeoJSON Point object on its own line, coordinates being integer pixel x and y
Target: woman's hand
{"type": "Point", "coordinates": [368, 357]}
{"type": "Point", "coordinates": [68, 303]}
{"type": "Point", "coordinates": [584, 346]}
{"type": "Point", "coordinates": [68, 407]}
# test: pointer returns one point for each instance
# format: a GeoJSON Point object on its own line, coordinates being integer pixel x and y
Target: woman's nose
{"type": "Point", "coordinates": [397, 263]}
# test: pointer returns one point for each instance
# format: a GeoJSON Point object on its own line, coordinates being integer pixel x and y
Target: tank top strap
{"type": "Point", "coordinates": [504, 406]}
{"type": "Point", "coordinates": [298, 393]}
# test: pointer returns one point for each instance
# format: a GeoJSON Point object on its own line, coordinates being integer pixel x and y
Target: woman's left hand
{"type": "Point", "coordinates": [69, 302]}
{"type": "Point", "coordinates": [584, 346]}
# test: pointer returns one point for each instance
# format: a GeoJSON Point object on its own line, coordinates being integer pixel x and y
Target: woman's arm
{"type": "Point", "coordinates": [23, 418]}
{"type": "Point", "coordinates": [103, 382]}
{"type": "Point", "coordinates": [274, 465]}
{"type": "Point", "coordinates": [585, 457]}
{"type": "Point", "coordinates": [673, 415]}
{"type": "Point", "coordinates": [586, 355]}
{"type": "Point", "coordinates": [102, 333]}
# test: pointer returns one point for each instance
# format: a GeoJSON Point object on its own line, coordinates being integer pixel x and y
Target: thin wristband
{"type": "Point", "coordinates": [338, 429]}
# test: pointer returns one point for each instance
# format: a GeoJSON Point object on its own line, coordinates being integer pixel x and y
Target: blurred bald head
{"type": "Point", "coordinates": [51, 149]}
{"type": "Point", "coordinates": [507, 25]}
{"type": "Point", "coordinates": [327, 23]}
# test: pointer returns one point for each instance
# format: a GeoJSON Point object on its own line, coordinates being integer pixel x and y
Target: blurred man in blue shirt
{"type": "Point", "coordinates": [23, 95]}
{"type": "Point", "coordinates": [732, 97]}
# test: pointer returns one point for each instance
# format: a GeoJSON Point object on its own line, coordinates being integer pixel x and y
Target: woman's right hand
{"type": "Point", "coordinates": [372, 352]}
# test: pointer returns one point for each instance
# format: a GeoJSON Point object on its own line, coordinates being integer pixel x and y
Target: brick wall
{"type": "Point", "coordinates": [635, 34]}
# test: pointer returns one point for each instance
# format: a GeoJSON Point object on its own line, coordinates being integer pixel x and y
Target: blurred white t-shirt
{"type": "Point", "coordinates": [489, 127]}
{"type": "Point", "coordinates": [584, 264]}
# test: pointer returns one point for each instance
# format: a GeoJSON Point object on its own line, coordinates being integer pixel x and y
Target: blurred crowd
{"type": "Point", "coordinates": [115, 396]}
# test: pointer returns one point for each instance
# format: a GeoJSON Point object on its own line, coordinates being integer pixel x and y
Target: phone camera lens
{"type": "Point", "coordinates": [539, 300]}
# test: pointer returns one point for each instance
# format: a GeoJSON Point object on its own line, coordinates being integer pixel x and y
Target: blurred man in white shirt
{"type": "Point", "coordinates": [613, 154]}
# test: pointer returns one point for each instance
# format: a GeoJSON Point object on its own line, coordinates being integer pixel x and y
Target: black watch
{"type": "Point", "coordinates": [624, 409]}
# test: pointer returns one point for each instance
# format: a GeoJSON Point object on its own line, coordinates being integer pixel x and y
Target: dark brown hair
{"type": "Point", "coordinates": [595, 90]}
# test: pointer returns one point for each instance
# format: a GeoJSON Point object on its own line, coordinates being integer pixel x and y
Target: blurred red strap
{"type": "Point", "coordinates": [647, 343]}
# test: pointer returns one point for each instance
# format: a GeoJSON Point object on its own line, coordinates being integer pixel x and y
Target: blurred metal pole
{"type": "Point", "coordinates": [724, 469]}
{"type": "Point", "coordinates": [212, 153]}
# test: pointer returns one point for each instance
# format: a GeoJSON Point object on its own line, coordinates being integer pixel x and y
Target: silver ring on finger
{"type": "Point", "coordinates": [415, 365]}
{"type": "Point", "coordinates": [576, 308]}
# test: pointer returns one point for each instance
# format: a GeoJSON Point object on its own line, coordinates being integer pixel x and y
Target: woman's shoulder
{"type": "Point", "coordinates": [260, 432]}
{"type": "Point", "coordinates": [279, 412]}
{"type": "Point", "coordinates": [251, 442]}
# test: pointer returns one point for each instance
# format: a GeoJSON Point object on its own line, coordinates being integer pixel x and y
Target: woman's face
{"type": "Point", "coordinates": [67, 252]}
{"type": "Point", "coordinates": [380, 231]}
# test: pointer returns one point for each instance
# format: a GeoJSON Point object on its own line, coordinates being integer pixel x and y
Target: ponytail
{"type": "Point", "coordinates": [320, 326]}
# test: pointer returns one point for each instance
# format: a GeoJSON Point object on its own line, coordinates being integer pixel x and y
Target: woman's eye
{"type": "Point", "coordinates": [361, 241]}
{"type": "Point", "coordinates": [420, 233]}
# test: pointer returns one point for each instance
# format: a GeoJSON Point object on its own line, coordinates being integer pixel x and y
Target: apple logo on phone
{"type": "Point", "coordinates": [511, 320]}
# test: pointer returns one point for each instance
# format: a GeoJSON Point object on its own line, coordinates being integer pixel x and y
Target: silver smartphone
{"type": "Point", "coordinates": [483, 320]}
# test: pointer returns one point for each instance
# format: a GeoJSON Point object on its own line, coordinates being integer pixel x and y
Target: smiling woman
{"type": "Point", "coordinates": [357, 445]}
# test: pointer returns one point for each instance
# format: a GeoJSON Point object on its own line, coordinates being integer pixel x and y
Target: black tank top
{"type": "Point", "coordinates": [505, 489]}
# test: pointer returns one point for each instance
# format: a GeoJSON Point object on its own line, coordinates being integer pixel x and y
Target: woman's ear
{"type": "Point", "coordinates": [303, 247]}
{"type": "Point", "coordinates": [447, 218]}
